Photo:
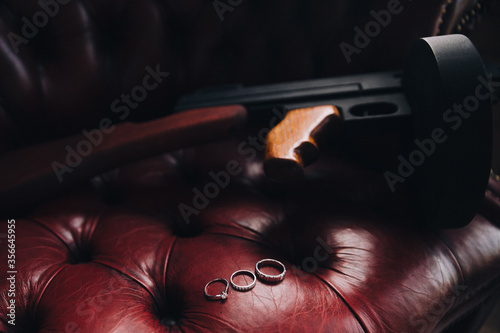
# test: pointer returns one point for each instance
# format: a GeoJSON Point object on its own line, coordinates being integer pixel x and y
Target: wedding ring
{"type": "Point", "coordinates": [247, 287]}
{"type": "Point", "coordinates": [267, 277]}
{"type": "Point", "coordinates": [223, 295]}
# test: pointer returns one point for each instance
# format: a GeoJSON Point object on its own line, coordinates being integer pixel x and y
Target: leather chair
{"type": "Point", "coordinates": [116, 254]}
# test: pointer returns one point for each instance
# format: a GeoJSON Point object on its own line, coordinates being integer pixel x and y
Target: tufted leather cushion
{"type": "Point", "coordinates": [119, 256]}
{"type": "Point", "coordinates": [137, 266]}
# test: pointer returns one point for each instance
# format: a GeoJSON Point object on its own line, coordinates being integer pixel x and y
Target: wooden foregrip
{"type": "Point", "coordinates": [292, 144]}
{"type": "Point", "coordinates": [30, 174]}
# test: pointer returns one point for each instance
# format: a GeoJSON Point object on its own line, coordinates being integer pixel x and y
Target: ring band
{"type": "Point", "coordinates": [243, 288]}
{"type": "Point", "coordinates": [223, 295]}
{"type": "Point", "coordinates": [267, 277]}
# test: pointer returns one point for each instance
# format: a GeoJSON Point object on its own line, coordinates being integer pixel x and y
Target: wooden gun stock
{"type": "Point", "coordinates": [292, 144]}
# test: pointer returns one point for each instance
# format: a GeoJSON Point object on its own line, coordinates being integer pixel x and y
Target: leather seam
{"type": "Point", "coordinates": [134, 279]}
{"type": "Point", "coordinates": [166, 264]}
{"type": "Point", "coordinates": [489, 297]}
{"type": "Point", "coordinates": [453, 256]}
{"type": "Point", "coordinates": [63, 265]}
{"type": "Point", "coordinates": [354, 313]}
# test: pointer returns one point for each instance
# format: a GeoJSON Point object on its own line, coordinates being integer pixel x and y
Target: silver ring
{"type": "Point", "coordinates": [223, 295]}
{"type": "Point", "coordinates": [267, 277]}
{"type": "Point", "coordinates": [243, 288]}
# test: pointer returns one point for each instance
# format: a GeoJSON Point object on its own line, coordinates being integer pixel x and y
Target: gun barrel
{"type": "Point", "coordinates": [280, 94]}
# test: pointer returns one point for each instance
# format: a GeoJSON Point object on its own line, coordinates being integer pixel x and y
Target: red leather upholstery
{"type": "Point", "coordinates": [118, 256]}
{"type": "Point", "coordinates": [136, 266]}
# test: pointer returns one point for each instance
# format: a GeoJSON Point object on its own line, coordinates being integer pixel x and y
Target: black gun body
{"type": "Point", "coordinates": [365, 101]}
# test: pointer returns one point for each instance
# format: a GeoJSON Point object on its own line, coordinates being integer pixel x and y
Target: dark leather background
{"type": "Point", "coordinates": [65, 78]}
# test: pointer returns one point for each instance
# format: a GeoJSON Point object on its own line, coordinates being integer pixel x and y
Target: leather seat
{"type": "Point", "coordinates": [119, 255]}
{"type": "Point", "coordinates": [137, 266]}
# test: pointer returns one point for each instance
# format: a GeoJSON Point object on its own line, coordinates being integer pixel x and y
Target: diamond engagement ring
{"type": "Point", "coordinates": [272, 263]}
{"type": "Point", "coordinates": [223, 295]}
{"type": "Point", "coordinates": [247, 287]}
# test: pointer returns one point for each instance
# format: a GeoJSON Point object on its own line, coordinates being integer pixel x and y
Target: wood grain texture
{"type": "Point", "coordinates": [33, 173]}
{"type": "Point", "coordinates": [292, 144]}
